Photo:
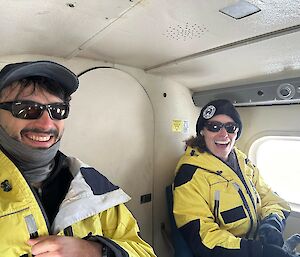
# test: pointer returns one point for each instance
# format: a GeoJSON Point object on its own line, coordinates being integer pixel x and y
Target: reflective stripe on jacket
{"type": "Point", "coordinates": [92, 207]}
{"type": "Point", "coordinates": [214, 208]}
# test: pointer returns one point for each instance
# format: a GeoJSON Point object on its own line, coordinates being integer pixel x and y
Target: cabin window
{"type": "Point", "coordinates": [278, 160]}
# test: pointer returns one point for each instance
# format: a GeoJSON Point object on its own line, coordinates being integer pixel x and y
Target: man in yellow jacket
{"type": "Point", "coordinates": [222, 206]}
{"type": "Point", "coordinates": [52, 204]}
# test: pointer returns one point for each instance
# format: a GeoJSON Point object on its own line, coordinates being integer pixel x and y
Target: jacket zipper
{"type": "Point", "coordinates": [255, 191]}
{"type": "Point", "coordinates": [242, 179]}
{"type": "Point", "coordinates": [238, 189]}
{"type": "Point", "coordinates": [41, 206]}
{"type": "Point", "coordinates": [252, 200]}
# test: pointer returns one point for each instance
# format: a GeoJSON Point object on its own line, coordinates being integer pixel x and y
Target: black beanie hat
{"type": "Point", "coordinates": [220, 106]}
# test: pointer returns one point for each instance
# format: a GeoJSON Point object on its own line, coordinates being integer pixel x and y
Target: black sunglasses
{"type": "Point", "coordinates": [30, 110]}
{"type": "Point", "coordinates": [215, 126]}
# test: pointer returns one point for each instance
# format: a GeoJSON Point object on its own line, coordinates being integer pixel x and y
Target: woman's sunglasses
{"type": "Point", "coordinates": [30, 110]}
{"type": "Point", "coordinates": [215, 126]}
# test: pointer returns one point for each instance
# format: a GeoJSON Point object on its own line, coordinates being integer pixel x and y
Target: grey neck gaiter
{"type": "Point", "coordinates": [35, 164]}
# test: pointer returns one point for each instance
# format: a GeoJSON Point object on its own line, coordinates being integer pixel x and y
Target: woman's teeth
{"type": "Point", "coordinates": [222, 142]}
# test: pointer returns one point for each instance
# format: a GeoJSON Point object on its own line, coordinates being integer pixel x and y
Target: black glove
{"type": "Point", "coordinates": [254, 248]}
{"type": "Point", "coordinates": [274, 251]}
{"type": "Point", "coordinates": [269, 234]}
{"type": "Point", "coordinates": [270, 230]}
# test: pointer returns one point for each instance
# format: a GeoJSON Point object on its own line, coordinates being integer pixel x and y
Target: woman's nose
{"type": "Point", "coordinates": [223, 131]}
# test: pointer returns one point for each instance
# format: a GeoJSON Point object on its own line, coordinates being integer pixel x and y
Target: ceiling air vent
{"type": "Point", "coordinates": [185, 31]}
{"type": "Point", "coordinates": [286, 91]}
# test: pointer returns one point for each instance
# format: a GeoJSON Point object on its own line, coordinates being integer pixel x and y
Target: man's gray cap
{"type": "Point", "coordinates": [52, 70]}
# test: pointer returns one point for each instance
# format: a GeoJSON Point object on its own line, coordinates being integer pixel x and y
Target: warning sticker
{"type": "Point", "coordinates": [181, 126]}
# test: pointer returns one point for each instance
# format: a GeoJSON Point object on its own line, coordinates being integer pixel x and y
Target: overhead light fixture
{"type": "Point", "coordinates": [240, 10]}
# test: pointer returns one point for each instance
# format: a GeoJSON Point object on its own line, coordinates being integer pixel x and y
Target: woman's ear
{"type": "Point", "coordinates": [236, 138]}
{"type": "Point", "coordinates": [201, 132]}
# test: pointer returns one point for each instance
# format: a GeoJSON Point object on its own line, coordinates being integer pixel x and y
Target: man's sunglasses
{"type": "Point", "coordinates": [30, 110]}
{"type": "Point", "coordinates": [215, 126]}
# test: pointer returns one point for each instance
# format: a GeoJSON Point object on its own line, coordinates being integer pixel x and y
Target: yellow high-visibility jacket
{"type": "Point", "coordinates": [93, 208]}
{"type": "Point", "coordinates": [218, 212]}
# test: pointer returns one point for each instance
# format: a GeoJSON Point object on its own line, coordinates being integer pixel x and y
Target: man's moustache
{"type": "Point", "coordinates": [52, 132]}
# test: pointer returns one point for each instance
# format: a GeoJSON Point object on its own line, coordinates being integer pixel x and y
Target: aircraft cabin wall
{"type": "Point", "coordinates": [173, 107]}
{"type": "Point", "coordinates": [159, 142]}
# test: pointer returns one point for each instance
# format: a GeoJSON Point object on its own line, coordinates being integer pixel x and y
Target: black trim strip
{"type": "Point", "coordinates": [286, 214]}
{"type": "Point", "coordinates": [34, 235]}
{"type": "Point", "coordinates": [233, 214]}
{"type": "Point", "coordinates": [113, 249]}
{"type": "Point", "coordinates": [68, 231]}
{"type": "Point", "coordinates": [255, 191]}
{"type": "Point", "coordinates": [185, 174]}
{"type": "Point", "coordinates": [247, 208]}
{"type": "Point", "coordinates": [248, 191]}
{"type": "Point", "coordinates": [99, 184]}
{"type": "Point", "coordinates": [217, 206]}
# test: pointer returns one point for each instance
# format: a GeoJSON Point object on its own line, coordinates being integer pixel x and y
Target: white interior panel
{"type": "Point", "coordinates": [158, 31]}
{"type": "Point", "coordinates": [275, 58]}
{"type": "Point", "coordinates": [149, 33]}
{"type": "Point", "coordinates": [54, 27]}
{"type": "Point", "coordinates": [171, 101]}
{"type": "Point", "coordinates": [269, 121]}
{"type": "Point", "coordinates": [111, 128]}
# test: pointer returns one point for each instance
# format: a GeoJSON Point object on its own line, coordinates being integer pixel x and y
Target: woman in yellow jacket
{"type": "Point", "coordinates": [222, 206]}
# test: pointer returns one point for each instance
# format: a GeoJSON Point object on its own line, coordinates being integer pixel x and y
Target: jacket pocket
{"type": "Point", "coordinates": [14, 233]}
{"type": "Point", "coordinates": [233, 215]}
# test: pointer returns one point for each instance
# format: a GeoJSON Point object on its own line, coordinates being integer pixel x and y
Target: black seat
{"type": "Point", "coordinates": [180, 246]}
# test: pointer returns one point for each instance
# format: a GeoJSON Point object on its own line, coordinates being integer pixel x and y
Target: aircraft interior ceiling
{"type": "Point", "coordinates": [189, 41]}
{"type": "Point", "coordinates": [162, 60]}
